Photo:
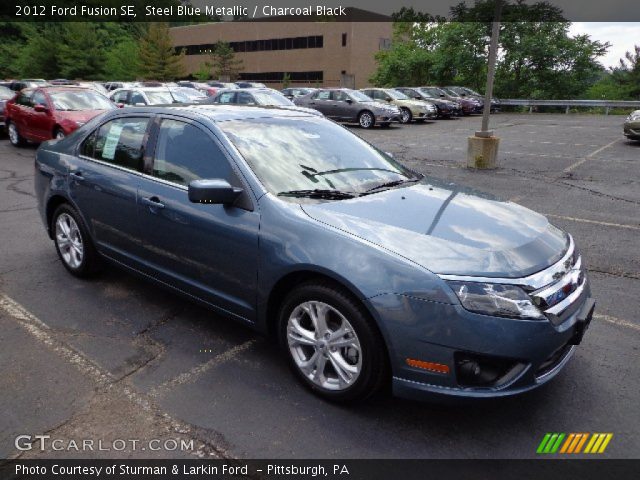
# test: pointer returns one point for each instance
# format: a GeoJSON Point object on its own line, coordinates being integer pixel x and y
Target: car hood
{"type": "Point", "coordinates": [297, 108]}
{"type": "Point", "coordinates": [449, 230]}
{"type": "Point", "coordinates": [81, 116]}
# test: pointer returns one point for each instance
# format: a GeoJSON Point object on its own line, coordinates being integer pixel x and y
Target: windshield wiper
{"type": "Point", "coordinates": [317, 193]}
{"type": "Point", "coordinates": [395, 183]}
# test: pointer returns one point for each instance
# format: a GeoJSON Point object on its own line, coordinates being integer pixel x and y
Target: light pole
{"type": "Point", "coordinates": [483, 146]}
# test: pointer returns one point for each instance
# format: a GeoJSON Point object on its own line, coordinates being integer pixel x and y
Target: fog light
{"type": "Point", "coordinates": [484, 371]}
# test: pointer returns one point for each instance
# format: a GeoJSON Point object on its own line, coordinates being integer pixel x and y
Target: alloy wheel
{"type": "Point", "coordinates": [324, 345]}
{"type": "Point", "coordinates": [14, 137]}
{"type": "Point", "coordinates": [69, 240]}
{"type": "Point", "coordinates": [406, 115]}
{"type": "Point", "coordinates": [366, 120]}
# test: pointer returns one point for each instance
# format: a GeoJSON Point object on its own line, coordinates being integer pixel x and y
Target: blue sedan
{"type": "Point", "coordinates": [366, 272]}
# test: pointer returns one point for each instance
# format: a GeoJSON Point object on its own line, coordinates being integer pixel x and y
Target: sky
{"type": "Point", "coordinates": [621, 35]}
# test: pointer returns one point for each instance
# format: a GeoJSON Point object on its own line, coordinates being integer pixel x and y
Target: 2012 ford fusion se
{"type": "Point", "coordinates": [368, 273]}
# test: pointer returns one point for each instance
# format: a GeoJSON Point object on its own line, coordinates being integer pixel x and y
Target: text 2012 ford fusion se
{"type": "Point", "coordinates": [367, 272]}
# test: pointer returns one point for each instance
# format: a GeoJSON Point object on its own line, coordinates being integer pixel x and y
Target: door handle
{"type": "Point", "coordinates": [152, 203]}
{"type": "Point", "coordinates": [77, 176]}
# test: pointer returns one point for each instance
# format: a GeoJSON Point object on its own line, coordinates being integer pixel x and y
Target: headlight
{"type": "Point", "coordinates": [634, 117]}
{"type": "Point", "coordinates": [495, 299]}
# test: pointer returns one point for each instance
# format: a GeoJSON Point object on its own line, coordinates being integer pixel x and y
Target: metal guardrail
{"type": "Point", "coordinates": [606, 104]}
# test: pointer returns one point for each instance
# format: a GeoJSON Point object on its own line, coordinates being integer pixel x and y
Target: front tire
{"type": "Point", "coordinates": [366, 119]}
{"type": "Point", "coordinates": [14, 135]}
{"type": "Point", "coordinates": [73, 244]}
{"type": "Point", "coordinates": [331, 343]}
{"type": "Point", "coordinates": [405, 115]}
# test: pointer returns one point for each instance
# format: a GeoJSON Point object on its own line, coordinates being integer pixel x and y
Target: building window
{"type": "Point", "coordinates": [384, 44]}
{"type": "Point", "coordinates": [291, 43]}
{"type": "Point", "coordinates": [276, 77]}
{"type": "Point", "coordinates": [344, 39]}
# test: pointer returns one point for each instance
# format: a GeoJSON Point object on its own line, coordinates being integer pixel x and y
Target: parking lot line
{"type": "Point", "coordinates": [104, 379]}
{"type": "Point", "coordinates": [194, 373]}
{"type": "Point", "coordinates": [589, 156]}
{"type": "Point", "coordinates": [616, 321]}
{"type": "Point", "coordinates": [596, 222]}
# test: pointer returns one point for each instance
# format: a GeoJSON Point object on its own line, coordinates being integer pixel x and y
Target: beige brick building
{"type": "Point", "coordinates": [312, 53]}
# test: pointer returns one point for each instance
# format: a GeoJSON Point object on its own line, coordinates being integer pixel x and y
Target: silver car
{"type": "Point", "coordinates": [350, 106]}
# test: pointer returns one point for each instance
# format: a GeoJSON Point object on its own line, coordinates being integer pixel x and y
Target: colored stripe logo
{"type": "Point", "coordinates": [574, 443]}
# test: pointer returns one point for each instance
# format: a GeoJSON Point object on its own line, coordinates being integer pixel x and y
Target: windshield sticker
{"type": "Point", "coordinates": [109, 150]}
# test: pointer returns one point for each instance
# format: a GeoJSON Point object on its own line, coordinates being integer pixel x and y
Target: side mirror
{"type": "Point", "coordinates": [388, 99]}
{"type": "Point", "coordinates": [349, 101]}
{"type": "Point", "coordinates": [442, 95]}
{"type": "Point", "coordinates": [463, 94]}
{"type": "Point", "coordinates": [215, 191]}
{"type": "Point", "coordinates": [40, 108]}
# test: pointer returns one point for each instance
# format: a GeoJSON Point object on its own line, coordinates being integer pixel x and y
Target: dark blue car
{"type": "Point", "coordinates": [366, 272]}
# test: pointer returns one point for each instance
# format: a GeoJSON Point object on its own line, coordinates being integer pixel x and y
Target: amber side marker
{"type": "Point", "coordinates": [431, 366]}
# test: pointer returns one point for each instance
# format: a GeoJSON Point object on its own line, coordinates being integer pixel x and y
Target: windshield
{"type": "Point", "coordinates": [272, 98]}
{"type": "Point", "coordinates": [359, 96]}
{"type": "Point", "coordinates": [396, 95]}
{"type": "Point", "coordinates": [300, 153]}
{"type": "Point", "coordinates": [432, 92]}
{"type": "Point", "coordinates": [80, 100]}
{"type": "Point", "coordinates": [450, 92]}
{"type": "Point", "coordinates": [159, 97]}
{"type": "Point", "coordinates": [468, 91]}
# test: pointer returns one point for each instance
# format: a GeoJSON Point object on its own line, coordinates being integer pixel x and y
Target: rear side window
{"type": "Point", "coordinates": [185, 153]}
{"type": "Point", "coordinates": [226, 97]}
{"type": "Point", "coordinates": [118, 142]}
{"type": "Point", "coordinates": [323, 95]}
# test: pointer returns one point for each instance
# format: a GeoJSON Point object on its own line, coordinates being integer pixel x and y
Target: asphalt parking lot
{"type": "Point", "coordinates": [117, 358]}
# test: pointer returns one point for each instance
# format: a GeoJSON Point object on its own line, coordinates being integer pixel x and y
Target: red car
{"type": "Point", "coordinates": [39, 114]}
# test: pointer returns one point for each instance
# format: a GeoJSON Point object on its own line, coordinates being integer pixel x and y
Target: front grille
{"type": "Point", "coordinates": [559, 298]}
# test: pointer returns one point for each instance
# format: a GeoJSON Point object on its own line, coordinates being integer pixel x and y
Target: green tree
{"type": "Point", "coordinates": [38, 57]}
{"type": "Point", "coordinates": [286, 80]}
{"type": "Point", "coordinates": [158, 59]}
{"type": "Point", "coordinates": [80, 51]}
{"type": "Point", "coordinates": [225, 63]}
{"type": "Point", "coordinates": [204, 72]}
{"type": "Point", "coordinates": [122, 60]}
{"type": "Point", "coordinates": [537, 58]}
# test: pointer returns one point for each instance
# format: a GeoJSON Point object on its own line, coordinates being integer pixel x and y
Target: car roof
{"type": "Point", "coordinates": [221, 113]}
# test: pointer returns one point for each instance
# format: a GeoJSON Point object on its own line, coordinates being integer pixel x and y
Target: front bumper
{"type": "Point", "coordinates": [388, 117]}
{"type": "Point", "coordinates": [512, 355]}
{"type": "Point", "coordinates": [632, 130]}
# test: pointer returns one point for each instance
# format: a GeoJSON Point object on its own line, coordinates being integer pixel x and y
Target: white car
{"type": "Point", "coordinates": [142, 96]}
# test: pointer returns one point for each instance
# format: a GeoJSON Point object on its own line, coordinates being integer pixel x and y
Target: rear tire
{"type": "Point", "coordinates": [332, 345]}
{"type": "Point", "coordinates": [73, 243]}
{"type": "Point", "coordinates": [15, 138]}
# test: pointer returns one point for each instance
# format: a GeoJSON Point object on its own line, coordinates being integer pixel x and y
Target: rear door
{"type": "Point", "coordinates": [210, 251]}
{"type": "Point", "coordinates": [104, 179]}
{"type": "Point", "coordinates": [322, 102]}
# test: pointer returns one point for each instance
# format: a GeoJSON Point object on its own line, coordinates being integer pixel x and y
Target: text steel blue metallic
{"type": "Point", "coordinates": [455, 292]}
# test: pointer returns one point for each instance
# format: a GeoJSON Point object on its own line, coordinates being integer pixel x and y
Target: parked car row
{"type": "Point", "coordinates": [37, 114]}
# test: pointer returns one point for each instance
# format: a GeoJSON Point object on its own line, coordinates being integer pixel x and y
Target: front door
{"type": "Point", "coordinates": [41, 122]}
{"type": "Point", "coordinates": [210, 251]}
